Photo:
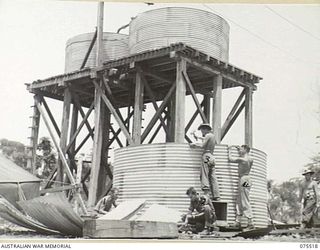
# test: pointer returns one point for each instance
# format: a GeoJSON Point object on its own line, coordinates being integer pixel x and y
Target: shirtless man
{"type": "Point", "coordinates": [208, 177]}
{"type": "Point", "coordinates": [106, 203]}
{"type": "Point", "coordinates": [244, 166]}
{"type": "Point", "coordinates": [309, 198]}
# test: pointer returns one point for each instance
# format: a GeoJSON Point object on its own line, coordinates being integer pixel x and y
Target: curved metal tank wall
{"type": "Point", "coordinates": [199, 29]}
{"type": "Point", "coordinates": [161, 173]}
{"type": "Point", "coordinates": [115, 46]}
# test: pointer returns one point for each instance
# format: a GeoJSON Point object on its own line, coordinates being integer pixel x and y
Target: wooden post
{"type": "Point", "coordinates": [96, 168]}
{"type": "Point", "coordinates": [104, 169]}
{"type": "Point", "coordinates": [31, 164]}
{"type": "Point", "coordinates": [99, 51]}
{"type": "Point", "coordinates": [64, 132]}
{"type": "Point", "coordinates": [217, 106]}
{"type": "Point", "coordinates": [138, 106]}
{"type": "Point", "coordinates": [207, 106]}
{"type": "Point", "coordinates": [248, 117]}
{"type": "Point", "coordinates": [73, 129]}
{"type": "Point", "coordinates": [99, 113]}
{"type": "Point", "coordinates": [170, 120]}
{"type": "Point", "coordinates": [179, 123]}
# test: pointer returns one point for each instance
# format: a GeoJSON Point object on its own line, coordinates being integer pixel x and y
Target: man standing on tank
{"type": "Point", "coordinates": [208, 177]}
{"type": "Point", "coordinates": [244, 167]}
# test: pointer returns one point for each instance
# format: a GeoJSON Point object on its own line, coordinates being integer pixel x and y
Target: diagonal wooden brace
{"type": "Point", "coordinates": [226, 127]}
{"type": "Point", "coordinates": [60, 152]}
{"type": "Point", "coordinates": [55, 125]}
{"type": "Point", "coordinates": [227, 124]}
{"type": "Point", "coordinates": [154, 103]}
{"type": "Point", "coordinates": [194, 96]}
{"type": "Point", "coordinates": [79, 107]}
{"type": "Point", "coordinates": [158, 113]}
{"type": "Point", "coordinates": [113, 112]}
{"type": "Point", "coordinates": [74, 136]}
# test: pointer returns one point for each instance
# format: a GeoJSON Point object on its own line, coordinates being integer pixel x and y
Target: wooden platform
{"type": "Point", "coordinates": [124, 229]}
{"type": "Point", "coordinates": [159, 69]}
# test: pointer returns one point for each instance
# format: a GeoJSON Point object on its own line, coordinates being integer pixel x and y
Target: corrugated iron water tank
{"type": "Point", "coordinates": [114, 46]}
{"type": "Point", "coordinates": [202, 30]}
{"type": "Point", "coordinates": [161, 174]}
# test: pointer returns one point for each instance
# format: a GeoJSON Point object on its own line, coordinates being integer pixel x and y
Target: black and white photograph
{"type": "Point", "coordinates": [159, 122]}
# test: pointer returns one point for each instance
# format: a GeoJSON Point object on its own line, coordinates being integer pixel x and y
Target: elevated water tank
{"type": "Point", "coordinates": [199, 29]}
{"type": "Point", "coordinates": [161, 174]}
{"type": "Point", "coordinates": [114, 46]}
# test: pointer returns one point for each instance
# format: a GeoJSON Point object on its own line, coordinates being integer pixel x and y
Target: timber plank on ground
{"type": "Point", "coordinates": [124, 229]}
{"type": "Point", "coordinates": [296, 231]}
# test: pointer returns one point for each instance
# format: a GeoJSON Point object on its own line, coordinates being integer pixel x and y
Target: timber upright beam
{"type": "Point", "coordinates": [217, 107]}
{"type": "Point", "coordinates": [138, 107]}
{"type": "Point", "coordinates": [207, 106]}
{"type": "Point", "coordinates": [31, 164]}
{"type": "Point", "coordinates": [179, 119]}
{"type": "Point", "coordinates": [64, 132]}
{"type": "Point", "coordinates": [99, 119]}
{"type": "Point", "coordinates": [96, 168]}
{"type": "Point", "coordinates": [73, 129]}
{"type": "Point", "coordinates": [248, 117]}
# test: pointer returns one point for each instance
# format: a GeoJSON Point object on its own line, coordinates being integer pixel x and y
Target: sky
{"type": "Point", "coordinates": [277, 42]}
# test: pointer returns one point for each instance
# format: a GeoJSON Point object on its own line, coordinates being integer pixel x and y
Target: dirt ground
{"type": "Point", "coordinates": [10, 231]}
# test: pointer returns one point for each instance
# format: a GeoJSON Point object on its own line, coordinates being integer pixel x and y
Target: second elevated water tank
{"type": "Point", "coordinates": [202, 30]}
{"type": "Point", "coordinates": [114, 46]}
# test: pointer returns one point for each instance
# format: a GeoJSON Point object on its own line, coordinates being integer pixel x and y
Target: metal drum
{"type": "Point", "coordinates": [161, 174]}
{"type": "Point", "coordinates": [199, 29]}
{"type": "Point", "coordinates": [114, 46]}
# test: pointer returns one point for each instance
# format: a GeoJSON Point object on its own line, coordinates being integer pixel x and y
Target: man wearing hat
{"type": "Point", "coordinates": [310, 199]}
{"type": "Point", "coordinates": [208, 177]}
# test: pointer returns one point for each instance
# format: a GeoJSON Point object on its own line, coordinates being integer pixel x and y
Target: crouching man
{"type": "Point", "coordinates": [106, 203]}
{"type": "Point", "coordinates": [201, 213]}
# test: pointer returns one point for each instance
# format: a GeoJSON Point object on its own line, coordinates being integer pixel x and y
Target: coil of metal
{"type": "Point", "coordinates": [161, 174]}
{"type": "Point", "coordinates": [115, 46]}
{"type": "Point", "coordinates": [202, 30]}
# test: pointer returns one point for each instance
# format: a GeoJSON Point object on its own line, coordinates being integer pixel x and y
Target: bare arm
{"type": "Point", "coordinates": [196, 137]}
{"type": "Point", "coordinates": [232, 159]}
{"type": "Point", "coordinates": [199, 144]}
{"type": "Point", "coordinates": [115, 203]}
{"type": "Point", "coordinates": [98, 206]}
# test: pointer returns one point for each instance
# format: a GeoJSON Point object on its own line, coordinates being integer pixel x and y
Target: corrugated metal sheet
{"type": "Point", "coordinates": [13, 215]}
{"type": "Point", "coordinates": [14, 179]}
{"type": "Point", "coordinates": [200, 29]}
{"type": "Point", "coordinates": [55, 212]}
{"type": "Point", "coordinates": [12, 173]}
{"type": "Point", "coordinates": [115, 46]}
{"type": "Point", "coordinates": [161, 174]}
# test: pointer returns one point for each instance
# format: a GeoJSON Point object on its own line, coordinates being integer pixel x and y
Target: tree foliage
{"type": "Point", "coordinates": [16, 151]}
{"type": "Point", "coordinates": [284, 201]}
{"type": "Point", "coordinates": [284, 198]}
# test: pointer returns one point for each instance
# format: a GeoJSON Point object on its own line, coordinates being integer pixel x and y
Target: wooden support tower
{"type": "Point", "coordinates": [118, 91]}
